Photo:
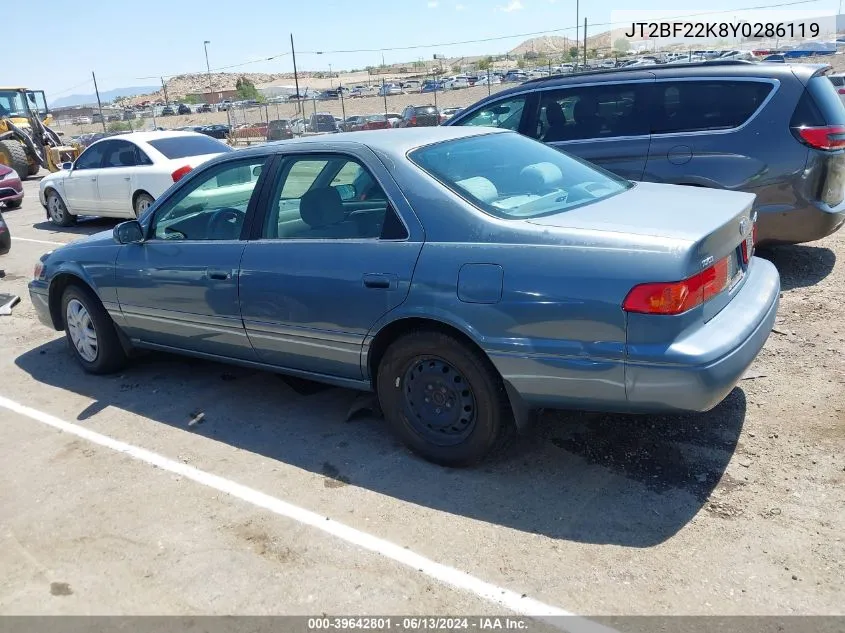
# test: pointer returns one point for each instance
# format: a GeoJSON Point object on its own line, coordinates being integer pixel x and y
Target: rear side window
{"type": "Point", "coordinates": [184, 146]}
{"type": "Point", "coordinates": [691, 106]}
{"type": "Point", "coordinates": [819, 105]}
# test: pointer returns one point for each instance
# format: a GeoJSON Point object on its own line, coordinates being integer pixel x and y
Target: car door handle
{"type": "Point", "coordinates": [94, 178]}
{"type": "Point", "coordinates": [219, 274]}
{"type": "Point", "coordinates": [381, 281]}
{"type": "Point", "coordinates": [127, 178]}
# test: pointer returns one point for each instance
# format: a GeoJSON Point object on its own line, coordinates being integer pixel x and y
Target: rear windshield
{"type": "Point", "coordinates": [425, 110]}
{"type": "Point", "coordinates": [513, 177]}
{"type": "Point", "coordinates": [819, 105]}
{"type": "Point", "coordinates": [184, 146]}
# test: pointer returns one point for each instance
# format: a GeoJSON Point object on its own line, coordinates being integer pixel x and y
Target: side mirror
{"type": "Point", "coordinates": [67, 166]}
{"type": "Point", "coordinates": [130, 232]}
{"type": "Point", "coordinates": [347, 192]}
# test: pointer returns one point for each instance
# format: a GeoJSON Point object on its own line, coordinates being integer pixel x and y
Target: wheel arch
{"type": "Point", "coordinates": [138, 192]}
{"type": "Point", "coordinates": [58, 283]}
{"type": "Point", "coordinates": [393, 330]}
{"type": "Point", "coordinates": [53, 188]}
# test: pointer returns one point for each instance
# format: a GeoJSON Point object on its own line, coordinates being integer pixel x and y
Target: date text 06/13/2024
{"type": "Point", "coordinates": [643, 30]}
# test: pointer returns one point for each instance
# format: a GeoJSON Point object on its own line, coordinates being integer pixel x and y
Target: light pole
{"type": "Point", "coordinates": [208, 69]}
{"type": "Point", "coordinates": [331, 80]}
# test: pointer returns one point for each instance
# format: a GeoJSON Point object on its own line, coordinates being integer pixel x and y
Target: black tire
{"type": "Point", "coordinates": [13, 154]}
{"type": "Point", "coordinates": [13, 204]}
{"type": "Point", "coordinates": [110, 356]}
{"type": "Point", "coordinates": [463, 443]}
{"type": "Point", "coordinates": [57, 210]}
{"type": "Point", "coordinates": [141, 199]}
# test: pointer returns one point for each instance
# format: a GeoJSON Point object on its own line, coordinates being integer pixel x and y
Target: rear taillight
{"type": "Point", "coordinates": [823, 137]}
{"type": "Point", "coordinates": [841, 91]}
{"type": "Point", "coordinates": [747, 245]}
{"type": "Point", "coordinates": [413, 120]}
{"type": "Point", "coordinates": [180, 173]}
{"type": "Point", "coordinates": [678, 296]}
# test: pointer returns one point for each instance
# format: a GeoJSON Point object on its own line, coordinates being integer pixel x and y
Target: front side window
{"type": "Point", "coordinates": [513, 177]}
{"type": "Point", "coordinates": [329, 197]}
{"type": "Point", "coordinates": [211, 206]}
{"type": "Point", "coordinates": [592, 112]}
{"type": "Point", "coordinates": [120, 154]}
{"type": "Point", "coordinates": [505, 114]}
{"type": "Point", "coordinates": [92, 157]}
{"type": "Point", "coordinates": [691, 106]}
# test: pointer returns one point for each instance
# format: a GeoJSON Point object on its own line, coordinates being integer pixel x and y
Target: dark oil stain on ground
{"type": "Point", "coordinates": [333, 478]}
{"type": "Point", "coordinates": [60, 589]}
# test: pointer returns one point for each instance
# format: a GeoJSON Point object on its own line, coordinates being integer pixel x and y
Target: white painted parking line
{"type": "Point", "coordinates": [26, 239]}
{"type": "Point", "coordinates": [443, 573]}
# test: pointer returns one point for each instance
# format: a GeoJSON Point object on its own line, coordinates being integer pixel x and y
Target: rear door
{"type": "Point", "coordinates": [695, 120]}
{"type": "Point", "coordinates": [115, 182]}
{"type": "Point", "coordinates": [606, 124]}
{"type": "Point", "coordinates": [335, 251]}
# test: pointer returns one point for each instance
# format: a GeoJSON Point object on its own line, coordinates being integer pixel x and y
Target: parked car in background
{"type": "Point", "coordinates": [774, 130]}
{"type": "Point", "coordinates": [322, 122]}
{"type": "Point", "coordinates": [412, 85]}
{"type": "Point", "coordinates": [279, 129]}
{"type": "Point", "coordinates": [205, 107]}
{"type": "Point", "coordinates": [122, 176]}
{"type": "Point", "coordinates": [11, 188]}
{"type": "Point", "coordinates": [515, 76]}
{"type": "Point", "coordinates": [128, 115]}
{"type": "Point", "coordinates": [352, 123]}
{"type": "Point", "coordinates": [183, 108]}
{"type": "Point", "coordinates": [431, 86]}
{"type": "Point", "coordinates": [376, 122]}
{"type": "Point", "coordinates": [218, 130]}
{"type": "Point", "coordinates": [389, 90]}
{"type": "Point", "coordinates": [419, 116]}
{"type": "Point", "coordinates": [448, 113]}
{"type": "Point", "coordinates": [167, 111]}
{"type": "Point", "coordinates": [82, 120]}
{"type": "Point", "coordinates": [393, 118]}
{"type": "Point", "coordinates": [5, 235]}
{"type": "Point", "coordinates": [410, 302]}
{"type": "Point", "coordinates": [224, 105]}
{"type": "Point", "coordinates": [456, 83]}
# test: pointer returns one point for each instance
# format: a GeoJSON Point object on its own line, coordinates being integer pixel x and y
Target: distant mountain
{"type": "Point", "coordinates": [555, 45]}
{"type": "Point", "coordinates": [105, 95]}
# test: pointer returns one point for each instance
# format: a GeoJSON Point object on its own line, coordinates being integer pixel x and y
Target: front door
{"type": "Point", "coordinates": [81, 191]}
{"type": "Point", "coordinates": [179, 288]}
{"type": "Point", "coordinates": [605, 124]}
{"type": "Point", "coordinates": [335, 252]}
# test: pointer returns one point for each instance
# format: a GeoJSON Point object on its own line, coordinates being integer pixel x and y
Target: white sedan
{"type": "Point", "coordinates": [121, 176]}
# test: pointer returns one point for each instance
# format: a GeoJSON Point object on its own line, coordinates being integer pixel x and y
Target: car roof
{"type": "Point", "coordinates": [146, 137]}
{"type": "Point", "coordinates": [394, 143]}
{"type": "Point", "coordinates": [726, 68]}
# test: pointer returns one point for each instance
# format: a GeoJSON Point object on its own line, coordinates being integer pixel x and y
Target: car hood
{"type": "Point", "coordinates": [658, 210]}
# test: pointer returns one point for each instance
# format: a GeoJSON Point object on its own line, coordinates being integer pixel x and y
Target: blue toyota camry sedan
{"type": "Point", "coordinates": [469, 276]}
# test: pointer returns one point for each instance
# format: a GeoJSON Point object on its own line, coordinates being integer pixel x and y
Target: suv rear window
{"type": "Point", "coordinates": [189, 145]}
{"type": "Point", "coordinates": [819, 105]}
{"type": "Point", "coordinates": [425, 110]}
{"type": "Point", "coordinates": [689, 106]}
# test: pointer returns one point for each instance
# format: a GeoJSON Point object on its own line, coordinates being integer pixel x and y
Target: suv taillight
{"type": "Point", "coordinates": [678, 296]}
{"type": "Point", "coordinates": [829, 137]}
{"type": "Point", "coordinates": [413, 120]}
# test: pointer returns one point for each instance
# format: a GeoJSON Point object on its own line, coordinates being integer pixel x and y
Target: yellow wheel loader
{"type": "Point", "coordinates": [27, 143]}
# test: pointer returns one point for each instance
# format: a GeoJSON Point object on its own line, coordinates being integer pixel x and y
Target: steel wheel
{"type": "Point", "coordinates": [439, 401]}
{"type": "Point", "coordinates": [57, 210]}
{"type": "Point", "coordinates": [80, 327]}
{"type": "Point", "coordinates": [142, 203]}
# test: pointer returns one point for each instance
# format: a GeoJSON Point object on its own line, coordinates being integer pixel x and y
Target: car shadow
{"type": "Point", "coordinates": [799, 265]}
{"type": "Point", "coordinates": [595, 478]}
{"type": "Point", "coordinates": [85, 225]}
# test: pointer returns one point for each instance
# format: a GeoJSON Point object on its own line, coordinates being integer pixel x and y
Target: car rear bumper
{"type": "Point", "coordinates": [797, 226]}
{"type": "Point", "coordinates": [707, 364]}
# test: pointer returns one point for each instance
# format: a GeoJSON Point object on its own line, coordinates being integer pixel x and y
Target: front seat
{"type": "Point", "coordinates": [588, 124]}
{"type": "Point", "coordinates": [322, 210]}
{"type": "Point", "coordinates": [557, 123]}
{"type": "Point", "coordinates": [126, 158]}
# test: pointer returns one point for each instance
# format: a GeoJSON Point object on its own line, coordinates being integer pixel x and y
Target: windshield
{"type": "Point", "coordinates": [513, 177]}
{"type": "Point", "coordinates": [11, 103]}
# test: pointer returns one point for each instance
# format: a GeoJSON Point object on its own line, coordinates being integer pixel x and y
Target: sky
{"type": "Point", "coordinates": [133, 44]}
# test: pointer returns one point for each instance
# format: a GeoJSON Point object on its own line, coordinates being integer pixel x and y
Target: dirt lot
{"type": "Point", "coordinates": [737, 511]}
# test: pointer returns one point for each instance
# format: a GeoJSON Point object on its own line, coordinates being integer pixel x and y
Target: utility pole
{"type": "Point", "coordinates": [331, 78]}
{"type": "Point", "coordinates": [164, 89]}
{"type": "Point", "coordinates": [384, 93]}
{"type": "Point", "coordinates": [208, 69]}
{"type": "Point", "coordinates": [342, 105]}
{"type": "Point", "coordinates": [585, 41]}
{"type": "Point", "coordinates": [577, 20]}
{"type": "Point", "coordinates": [296, 79]}
{"type": "Point", "coordinates": [99, 105]}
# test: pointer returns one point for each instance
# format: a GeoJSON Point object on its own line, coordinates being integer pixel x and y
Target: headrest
{"type": "Point", "coordinates": [480, 188]}
{"type": "Point", "coordinates": [541, 175]}
{"type": "Point", "coordinates": [321, 207]}
{"type": "Point", "coordinates": [126, 157]}
{"type": "Point", "coordinates": [555, 114]}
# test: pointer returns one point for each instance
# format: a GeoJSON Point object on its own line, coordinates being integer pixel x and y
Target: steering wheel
{"type": "Point", "coordinates": [226, 223]}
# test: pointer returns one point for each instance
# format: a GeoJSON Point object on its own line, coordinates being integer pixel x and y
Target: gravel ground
{"type": "Point", "coordinates": [737, 511]}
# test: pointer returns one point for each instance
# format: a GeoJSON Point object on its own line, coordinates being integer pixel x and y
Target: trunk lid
{"type": "Point", "coordinates": [716, 225]}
